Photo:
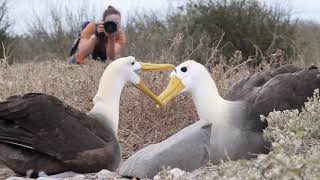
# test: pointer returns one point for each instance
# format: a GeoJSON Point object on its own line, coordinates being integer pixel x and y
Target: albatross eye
{"type": "Point", "coordinates": [132, 63]}
{"type": "Point", "coordinates": [184, 69]}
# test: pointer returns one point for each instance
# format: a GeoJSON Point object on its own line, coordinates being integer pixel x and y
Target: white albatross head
{"type": "Point", "coordinates": [127, 70]}
{"type": "Point", "coordinates": [193, 77]}
{"type": "Point", "coordinates": [189, 76]}
{"type": "Point", "coordinates": [120, 72]}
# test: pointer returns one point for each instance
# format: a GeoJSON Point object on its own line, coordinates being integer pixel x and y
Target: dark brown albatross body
{"type": "Point", "coordinates": [42, 133]}
{"type": "Point", "coordinates": [284, 88]}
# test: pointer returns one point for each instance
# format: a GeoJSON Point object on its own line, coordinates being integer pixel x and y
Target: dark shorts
{"type": "Point", "coordinates": [95, 56]}
{"type": "Point", "coordinates": [99, 56]}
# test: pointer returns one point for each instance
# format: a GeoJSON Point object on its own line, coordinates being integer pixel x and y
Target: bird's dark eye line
{"type": "Point", "coordinates": [184, 69]}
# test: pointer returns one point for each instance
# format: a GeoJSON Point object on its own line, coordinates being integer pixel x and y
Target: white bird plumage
{"type": "Point", "coordinates": [107, 100]}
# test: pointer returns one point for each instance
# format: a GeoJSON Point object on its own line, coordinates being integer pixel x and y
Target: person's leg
{"type": "Point", "coordinates": [87, 43]}
{"type": "Point", "coordinates": [74, 48]}
{"type": "Point", "coordinates": [75, 44]}
{"type": "Point", "coordinates": [72, 59]}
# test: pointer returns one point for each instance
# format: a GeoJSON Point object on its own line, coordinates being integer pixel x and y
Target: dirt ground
{"type": "Point", "coordinates": [5, 172]}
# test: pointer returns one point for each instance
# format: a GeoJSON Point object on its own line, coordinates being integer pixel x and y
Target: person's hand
{"type": "Point", "coordinates": [100, 29]}
{"type": "Point", "coordinates": [112, 39]}
{"type": "Point", "coordinates": [112, 35]}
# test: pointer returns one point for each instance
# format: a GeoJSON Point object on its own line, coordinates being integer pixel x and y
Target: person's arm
{"type": "Point", "coordinates": [87, 42]}
{"type": "Point", "coordinates": [115, 45]}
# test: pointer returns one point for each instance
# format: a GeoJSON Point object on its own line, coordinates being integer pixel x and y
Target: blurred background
{"type": "Point", "coordinates": [38, 30]}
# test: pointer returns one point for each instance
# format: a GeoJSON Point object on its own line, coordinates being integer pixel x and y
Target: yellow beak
{"type": "Point", "coordinates": [156, 67]}
{"type": "Point", "coordinates": [152, 67]}
{"type": "Point", "coordinates": [174, 87]}
{"type": "Point", "coordinates": [142, 87]}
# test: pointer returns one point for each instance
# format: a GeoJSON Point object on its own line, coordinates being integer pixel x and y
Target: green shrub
{"type": "Point", "coordinates": [308, 37]}
{"type": "Point", "coordinates": [248, 25]}
{"type": "Point", "coordinates": [200, 30]}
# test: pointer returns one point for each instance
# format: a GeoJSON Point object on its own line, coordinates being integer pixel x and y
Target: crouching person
{"type": "Point", "coordinates": [101, 40]}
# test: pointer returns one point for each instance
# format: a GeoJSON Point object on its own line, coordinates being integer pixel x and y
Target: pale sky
{"type": "Point", "coordinates": [21, 11]}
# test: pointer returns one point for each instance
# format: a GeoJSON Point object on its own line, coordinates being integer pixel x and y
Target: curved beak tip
{"type": "Point", "coordinates": [155, 67]}
{"type": "Point", "coordinates": [175, 86]}
{"type": "Point", "coordinates": [142, 87]}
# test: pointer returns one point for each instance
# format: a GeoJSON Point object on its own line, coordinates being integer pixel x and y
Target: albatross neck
{"type": "Point", "coordinates": [209, 104]}
{"type": "Point", "coordinates": [107, 100]}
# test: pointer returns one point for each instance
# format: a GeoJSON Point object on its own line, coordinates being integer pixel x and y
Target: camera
{"type": "Point", "coordinates": [110, 27]}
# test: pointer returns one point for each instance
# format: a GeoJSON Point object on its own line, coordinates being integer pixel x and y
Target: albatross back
{"type": "Point", "coordinates": [287, 87]}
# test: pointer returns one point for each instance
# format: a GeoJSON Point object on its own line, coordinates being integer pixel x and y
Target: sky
{"type": "Point", "coordinates": [22, 11]}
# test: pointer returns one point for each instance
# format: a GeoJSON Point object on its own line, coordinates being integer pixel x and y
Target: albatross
{"type": "Point", "coordinates": [228, 129]}
{"type": "Point", "coordinates": [39, 132]}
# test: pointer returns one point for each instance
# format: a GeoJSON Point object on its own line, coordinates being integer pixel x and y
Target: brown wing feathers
{"type": "Point", "coordinates": [41, 122]}
{"type": "Point", "coordinates": [287, 87]}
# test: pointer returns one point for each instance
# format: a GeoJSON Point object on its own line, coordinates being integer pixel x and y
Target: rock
{"type": "Point", "coordinates": [173, 174]}
{"type": "Point", "coordinates": [61, 176]}
{"type": "Point", "coordinates": [187, 150]}
{"type": "Point", "coordinates": [77, 177]}
{"type": "Point", "coordinates": [101, 175]}
{"type": "Point", "coordinates": [18, 178]}
{"type": "Point", "coordinates": [105, 174]}
{"type": "Point", "coordinates": [6, 172]}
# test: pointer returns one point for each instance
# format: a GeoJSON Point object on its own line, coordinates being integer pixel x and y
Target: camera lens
{"type": "Point", "coordinates": [110, 27]}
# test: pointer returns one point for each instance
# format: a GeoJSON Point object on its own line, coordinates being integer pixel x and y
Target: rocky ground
{"type": "Point", "coordinates": [202, 173]}
{"type": "Point", "coordinates": [102, 175]}
{"type": "Point", "coordinates": [5, 172]}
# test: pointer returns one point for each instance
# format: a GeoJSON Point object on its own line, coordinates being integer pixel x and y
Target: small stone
{"type": "Point", "coordinates": [105, 174]}
{"type": "Point", "coordinates": [18, 178]}
{"type": "Point", "coordinates": [77, 177]}
{"type": "Point", "coordinates": [173, 174]}
{"type": "Point", "coordinates": [177, 173]}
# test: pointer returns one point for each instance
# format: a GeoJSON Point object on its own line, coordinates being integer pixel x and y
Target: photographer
{"type": "Point", "coordinates": [101, 40]}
